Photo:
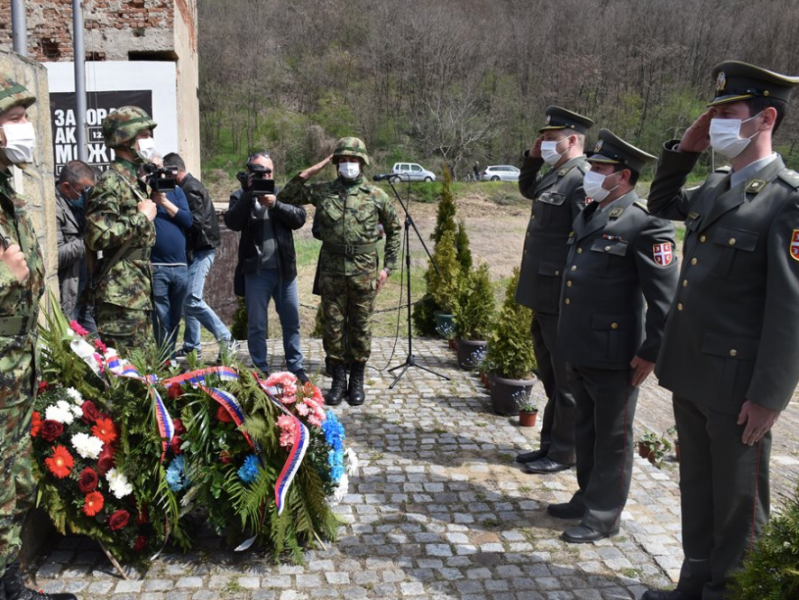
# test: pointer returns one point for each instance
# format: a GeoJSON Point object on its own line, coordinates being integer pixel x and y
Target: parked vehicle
{"type": "Point", "coordinates": [412, 172]}
{"type": "Point", "coordinates": [500, 173]}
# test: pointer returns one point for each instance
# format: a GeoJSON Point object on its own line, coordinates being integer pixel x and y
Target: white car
{"type": "Point", "coordinates": [500, 173]}
{"type": "Point", "coordinates": [411, 172]}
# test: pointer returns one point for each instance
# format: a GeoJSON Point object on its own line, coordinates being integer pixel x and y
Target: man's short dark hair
{"type": "Point", "coordinates": [74, 172]}
{"type": "Point", "coordinates": [259, 154]}
{"type": "Point", "coordinates": [634, 175]}
{"type": "Point", "coordinates": [174, 161]}
{"type": "Point", "coordinates": [761, 103]}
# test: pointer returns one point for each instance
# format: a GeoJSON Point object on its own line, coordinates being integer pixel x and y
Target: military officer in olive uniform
{"type": "Point", "coordinates": [730, 353]}
{"type": "Point", "coordinates": [119, 222]}
{"type": "Point", "coordinates": [21, 288]}
{"type": "Point", "coordinates": [558, 197]}
{"type": "Point", "coordinates": [620, 277]}
{"type": "Point", "coordinates": [348, 211]}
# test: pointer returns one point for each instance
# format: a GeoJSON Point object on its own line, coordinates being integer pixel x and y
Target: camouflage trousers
{"type": "Point", "coordinates": [121, 328]}
{"type": "Point", "coordinates": [347, 305]}
{"type": "Point", "coordinates": [17, 487]}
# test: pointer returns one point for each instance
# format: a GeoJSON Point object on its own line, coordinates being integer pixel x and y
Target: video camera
{"type": "Point", "coordinates": [260, 186]}
{"type": "Point", "coordinates": [161, 179]}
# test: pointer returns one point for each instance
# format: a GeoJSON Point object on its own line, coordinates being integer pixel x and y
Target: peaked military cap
{"type": "Point", "coordinates": [612, 150]}
{"type": "Point", "coordinates": [736, 81]}
{"type": "Point", "coordinates": [560, 118]}
{"type": "Point", "coordinates": [14, 94]}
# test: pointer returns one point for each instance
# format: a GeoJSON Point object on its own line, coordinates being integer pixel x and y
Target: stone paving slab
{"type": "Point", "coordinates": [438, 510]}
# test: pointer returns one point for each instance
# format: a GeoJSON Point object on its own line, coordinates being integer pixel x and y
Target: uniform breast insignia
{"type": "Point", "coordinates": [614, 238]}
{"type": "Point", "coordinates": [754, 186]}
{"type": "Point", "coordinates": [615, 212]}
{"type": "Point", "coordinates": [795, 245]}
{"type": "Point", "coordinates": [663, 255]}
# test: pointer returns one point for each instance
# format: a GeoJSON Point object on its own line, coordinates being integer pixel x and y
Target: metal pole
{"type": "Point", "coordinates": [79, 56]}
{"type": "Point", "coordinates": [18, 27]}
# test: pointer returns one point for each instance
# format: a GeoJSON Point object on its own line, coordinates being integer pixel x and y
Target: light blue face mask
{"type": "Point", "coordinates": [80, 201]}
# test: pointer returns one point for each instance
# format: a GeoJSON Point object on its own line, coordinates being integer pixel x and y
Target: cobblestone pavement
{"type": "Point", "coordinates": [438, 510]}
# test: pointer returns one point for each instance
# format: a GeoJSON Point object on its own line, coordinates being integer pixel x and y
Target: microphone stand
{"type": "Point", "coordinates": [410, 360]}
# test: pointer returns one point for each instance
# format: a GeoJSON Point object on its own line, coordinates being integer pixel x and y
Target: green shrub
{"type": "Point", "coordinates": [771, 571]}
{"type": "Point", "coordinates": [424, 316]}
{"type": "Point", "coordinates": [442, 283]}
{"type": "Point", "coordinates": [474, 306]}
{"type": "Point", "coordinates": [510, 346]}
{"type": "Point", "coordinates": [239, 328]}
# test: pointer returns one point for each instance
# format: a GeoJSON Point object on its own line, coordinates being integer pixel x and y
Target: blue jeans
{"type": "Point", "coordinates": [259, 288]}
{"type": "Point", "coordinates": [197, 311]}
{"type": "Point", "coordinates": [169, 292]}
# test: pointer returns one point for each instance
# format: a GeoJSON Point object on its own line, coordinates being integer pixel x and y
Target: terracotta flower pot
{"type": "Point", "coordinates": [508, 394]}
{"type": "Point", "coordinates": [677, 449]}
{"type": "Point", "coordinates": [645, 451]}
{"type": "Point", "coordinates": [467, 353]}
{"type": "Point", "coordinates": [453, 344]}
{"type": "Point", "coordinates": [527, 419]}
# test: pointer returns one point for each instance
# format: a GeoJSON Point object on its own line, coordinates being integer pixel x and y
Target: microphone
{"type": "Point", "coordinates": [384, 177]}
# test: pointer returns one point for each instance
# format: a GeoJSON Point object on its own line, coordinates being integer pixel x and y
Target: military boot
{"type": "Point", "coordinates": [355, 393]}
{"type": "Point", "coordinates": [339, 386]}
{"type": "Point", "coordinates": [15, 588]}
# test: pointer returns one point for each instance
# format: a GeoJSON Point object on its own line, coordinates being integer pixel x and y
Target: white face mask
{"type": "Point", "coordinates": [549, 152]}
{"type": "Point", "coordinates": [20, 142]}
{"type": "Point", "coordinates": [349, 170]}
{"type": "Point", "coordinates": [725, 136]}
{"type": "Point", "coordinates": [145, 148]}
{"type": "Point", "coordinates": [592, 184]}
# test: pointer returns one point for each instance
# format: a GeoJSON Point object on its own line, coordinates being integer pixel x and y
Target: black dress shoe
{"type": "Point", "coordinates": [584, 535]}
{"type": "Point", "coordinates": [528, 457]}
{"type": "Point", "coordinates": [546, 465]}
{"type": "Point", "coordinates": [667, 595]}
{"type": "Point", "coordinates": [567, 510]}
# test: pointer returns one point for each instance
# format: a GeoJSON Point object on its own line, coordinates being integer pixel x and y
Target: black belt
{"type": "Point", "coordinates": [350, 249]}
{"type": "Point", "coordinates": [14, 326]}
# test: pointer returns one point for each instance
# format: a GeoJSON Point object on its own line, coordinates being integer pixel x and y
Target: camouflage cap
{"type": "Point", "coordinates": [14, 94]}
{"type": "Point", "coordinates": [351, 146]}
{"type": "Point", "coordinates": [122, 126]}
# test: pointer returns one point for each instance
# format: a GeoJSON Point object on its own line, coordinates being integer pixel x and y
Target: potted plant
{"type": "Point", "coordinates": [442, 283]}
{"type": "Point", "coordinates": [474, 309]}
{"type": "Point", "coordinates": [509, 359]}
{"type": "Point", "coordinates": [527, 414]}
{"type": "Point", "coordinates": [654, 447]}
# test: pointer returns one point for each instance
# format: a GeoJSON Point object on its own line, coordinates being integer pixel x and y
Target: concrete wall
{"type": "Point", "coordinates": [188, 82]}
{"type": "Point", "coordinates": [35, 183]}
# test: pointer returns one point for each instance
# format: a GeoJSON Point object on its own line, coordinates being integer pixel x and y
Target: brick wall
{"type": "Point", "coordinates": [113, 28]}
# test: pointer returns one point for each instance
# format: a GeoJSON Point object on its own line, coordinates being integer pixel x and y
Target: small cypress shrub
{"type": "Point", "coordinates": [474, 306]}
{"type": "Point", "coordinates": [510, 346]}
{"type": "Point", "coordinates": [239, 328]}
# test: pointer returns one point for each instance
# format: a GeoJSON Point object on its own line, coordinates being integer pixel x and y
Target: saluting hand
{"type": "Point", "coordinates": [697, 137]}
{"type": "Point", "coordinates": [641, 370]}
{"type": "Point", "coordinates": [15, 261]}
{"type": "Point", "coordinates": [311, 171]}
{"type": "Point", "coordinates": [535, 151]}
{"type": "Point", "coordinates": [759, 420]}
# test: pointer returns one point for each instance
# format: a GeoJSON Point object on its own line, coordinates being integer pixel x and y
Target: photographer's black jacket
{"type": "Point", "coordinates": [204, 233]}
{"type": "Point", "coordinates": [284, 217]}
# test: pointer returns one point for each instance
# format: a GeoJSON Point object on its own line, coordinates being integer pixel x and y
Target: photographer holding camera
{"type": "Point", "coordinates": [168, 256]}
{"type": "Point", "coordinates": [267, 260]}
{"type": "Point", "coordinates": [119, 223]}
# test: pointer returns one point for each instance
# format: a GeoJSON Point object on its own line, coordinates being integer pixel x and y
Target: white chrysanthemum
{"type": "Point", "coordinates": [119, 484]}
{"type": "Point", "coordinates": [75, 395]}
{"type": "Point", "coordinates": [352, 460]}
{"type": "Point", "coordinates": [87, 446]}
{"type": "Point", "coordinates": [59, 413]}
{"type": "Point", "coordinates": [341, 490]}
{"type": "Point", "coordinates": [77, 411]}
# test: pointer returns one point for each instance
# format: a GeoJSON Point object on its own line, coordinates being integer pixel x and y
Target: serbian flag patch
{"type": "Point", "coordinates": [663, 254]}
{"type": "Point", "coordinates": [795, 244]}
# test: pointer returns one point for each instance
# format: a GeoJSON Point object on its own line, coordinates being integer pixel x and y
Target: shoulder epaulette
{"type": "Point", "coordinates": [642, 206]}
{"type": "Point", "coordinates": [790, 177]}
{"type": "Point", "coordinates": [725, 169]}
{"type": "Point", "coordinates": [584, 167]}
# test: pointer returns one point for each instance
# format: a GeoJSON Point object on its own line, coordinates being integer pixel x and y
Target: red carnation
{"type": "Point", "coordinates": [36, 423]}
{"type": "Point", "coordinates": [119, 520]}
{"type": "Point", "coordinates": [223, 415]}
{"type": "Point", "coordinates": [42, 387]}
{"type": "Point", "coordinates": [141, 544]}
{"type": "Point", "coordinates": [105, 462]}
{"type": "Point", "coordinates": [175, 445]}
{"type": "Point", "coordinates": [174, 391]}
{"type": "Point", "coordinates": [180, 429]}
{"type": "Point", "coordinates": [78, 328]}
{"type": "Point", "coordinates": [90, 412]}
{"type": "Point", "coordinates": [225, 457]}
{"type": "Point", "coordinates": [87, 481]}
{"type": "Point", "coordinates": [105, 430]}
{"type": "Point", "coordinates": [50, 430]}
{"type": "Point", "coordinates": [99, 346]}
{"type": "Point", "coordinates": [93, 504]}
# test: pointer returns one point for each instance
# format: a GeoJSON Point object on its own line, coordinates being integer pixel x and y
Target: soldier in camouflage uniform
{"type": "Point", "coordinates": [348, 211]}
{"type": "Point", "coordinates": [119, 222]}
{"type": "Point", "coordinates": [21, 287]}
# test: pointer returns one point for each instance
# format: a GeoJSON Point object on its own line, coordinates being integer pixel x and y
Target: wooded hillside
{"type": "Point", "coordinates": [466, 80]}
